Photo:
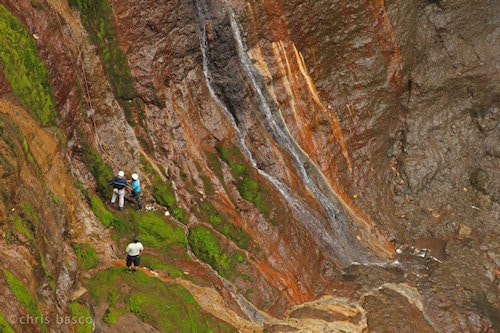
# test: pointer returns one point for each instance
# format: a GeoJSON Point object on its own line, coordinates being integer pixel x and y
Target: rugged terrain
{"type": "Point", "coordinates": [307, 166]}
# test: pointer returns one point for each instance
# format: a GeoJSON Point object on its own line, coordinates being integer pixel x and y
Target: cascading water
{"type": "Point", "coordinates": [338, 240]}
{"type": "Point", "coordinates": [345, 246]}
{"type": "Point", "coordinates": [303, 212]}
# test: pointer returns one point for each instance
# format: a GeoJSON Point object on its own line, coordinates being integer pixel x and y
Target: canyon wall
{"type": "Point", "coordinates": [330, 166]}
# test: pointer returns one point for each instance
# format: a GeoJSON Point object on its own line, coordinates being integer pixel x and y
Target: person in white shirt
{"type": "Point", "coordinates": [134, 251]}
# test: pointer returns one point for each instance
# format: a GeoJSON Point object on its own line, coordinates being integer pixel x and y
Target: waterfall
{"type": "Point", "coordinates": [342, 244]}
{"type": "Point", "coordinates": [346, 245]}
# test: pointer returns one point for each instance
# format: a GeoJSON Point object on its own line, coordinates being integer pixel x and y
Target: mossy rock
{"type": "Point", "coordinates": [168, 308]}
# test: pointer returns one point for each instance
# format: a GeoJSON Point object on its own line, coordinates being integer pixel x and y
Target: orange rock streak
{"type": "Point", "coordinates": [388, 43]}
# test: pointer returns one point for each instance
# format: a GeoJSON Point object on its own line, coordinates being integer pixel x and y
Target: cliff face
{"type": "Point", "coordinates": [308, 140]}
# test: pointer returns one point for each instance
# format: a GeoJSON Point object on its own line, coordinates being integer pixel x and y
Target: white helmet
{"type": "Point", "coordinates": [121, 173]}
{"type": "Point", "coordinates": [135, 176]}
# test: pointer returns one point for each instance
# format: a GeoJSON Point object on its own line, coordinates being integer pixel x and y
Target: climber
{"type": "Point", "coordinates": [134, 250]}
{"type": "Point", "coordinates": [119, 184]}
{"type": "Point", "coordinates": [135, 188]}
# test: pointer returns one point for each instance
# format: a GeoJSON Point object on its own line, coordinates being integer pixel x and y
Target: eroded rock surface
{"type": "Point", "coordinates": [372, 126]}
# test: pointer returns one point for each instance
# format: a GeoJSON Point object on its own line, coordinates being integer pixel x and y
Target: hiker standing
{"type": "Point", "coordinates": [134, 250]}
{"type": "Point", "coordinates": [135, 187]}
{"type": "Point", "coordinates": [119, 184]}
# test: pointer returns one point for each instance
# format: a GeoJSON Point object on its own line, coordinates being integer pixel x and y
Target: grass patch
{"type": "Point", "coordinates": [4, 325]}
{"type": "Point", "coordinates": [24, 70]}
{"type": "Point", "coordinates": [87, 256]}
{"type": "Point", "coordinates": [234, 233]}
{"type": "Point", "coordinates": [206, 247]}
{"type": "Point", "coordinates": [154, 231]}
{"type": "Point", "coordinates": [163, 192]}
{"type": "Point", "coordinates": [80, 315]}
{"type": "Point", "coordinates": [101, 171]}
{"type": "Point", "coordinates": [167, 308]}
{"type": "Point", "coordinates": [21, 226]}
{"type": "Point", "coordinates": [148, 260]}
{"type": "Point", "coordinates": [248, 188]}
{"type": "Point", "coordinates": [107, 218]}
{"type": "Point", "coordinates": [24, 296]}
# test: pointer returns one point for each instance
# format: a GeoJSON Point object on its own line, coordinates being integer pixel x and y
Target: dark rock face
{"type": "Point", "coordinates": [370, 125]}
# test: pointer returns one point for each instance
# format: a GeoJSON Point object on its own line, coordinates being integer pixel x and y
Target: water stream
{"type": "Point", "coordinates": [339, 240]}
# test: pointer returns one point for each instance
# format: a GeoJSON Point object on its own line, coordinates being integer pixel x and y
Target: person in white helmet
{"type": "Point", "coordinates": [119, 184]}
{"type": "Point", "coordinates": [135, 188]}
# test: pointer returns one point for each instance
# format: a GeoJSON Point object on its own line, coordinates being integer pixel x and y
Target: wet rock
{"type": "Point", "coordinates": [390, 311]}
{"type": "Point", "coordinates": [464, 230]}
{"type": "Point", "coordinates": [487, 120]}
{"type": "Point", "coordinates": [480, 180]}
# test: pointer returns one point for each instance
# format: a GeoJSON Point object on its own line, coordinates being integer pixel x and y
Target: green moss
{"type": "Point", "coordinates": [167, 308]}
{"type": "Point", "coordinates": [30, 158]}
{"type": "Point", "coordinates": [164, 193]}
{"type": "Point", "coordinates": [80, 315]}
{"type": "Point", "coordinates": [22, 226]}
{"type": "Point", "coordinates": [112, 314]}
{"type": "Point", "coordinates": [106, 217]}
{"type": "Point", "coordinates": [4, 325]}
{"type": "Point", "coordinates": [206, 247]}
{"type": "Point", "coordinates": [24, 70]}
{"type": "Point", "coordinates": [101, 171]}
{"type": "Point", "coordinates": [154, 231]}
{"type": "Point", "coordinates": [248, 188]}
{"type": "Point", "coordinates": [97, 17]}
{"type": "Point", "coordinates": [87, 256]}
{"type": "Point", "coordinates": [209, 189]}
{"type": "Point", "coordinates": [153, 262]}
{"type": "Point", "coordinates": [234, 233]}
{"type": "Point", "coordinates": [23, 295]}
{"type": "Point", "coordinates": [48, 274]}
{"type": "Point", "coordinates": [250, 191]}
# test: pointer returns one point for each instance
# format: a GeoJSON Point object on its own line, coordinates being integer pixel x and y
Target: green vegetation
{"type": "Point", "coordinates": [249, 189]}
{"type": "Point", "coordinates": [97, 17]}
{"type": "Point", "coordinates": [24, 297]}
{"type": "Point", "coordinates": [101, 171]}
{"type": "Point", "coordinates": [80, 315]}
{"type": "Point", "coordinates": [163, 192]}
{"type": "Point", "coordinates": [107, 218]}
{"type": "Point", "coordinates": [21, 226]}
{"type": "Point", "coordinates": [24, 222]}
{"type": "Point", "coordinates": [236, 234]}
{"type": "Point", "coordinates": [24, 70]}
{"type": "Point", "coordinates": [4, 325]}
{"type": "Point", "coordinates": [165, 196]}
{"type": "Point", "coordinates": [167, 308]}
{"type": "Point", "coordinates": [154, 231]}
{"type": "Point", "coordinates": [206, 247]}
{"type": "Point", "coordinates": [87, 257]}
{"type": "Point", "coordinates": [150, 261]}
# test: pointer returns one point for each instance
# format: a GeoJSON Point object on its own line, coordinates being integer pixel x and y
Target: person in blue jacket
{"type": "Point", "coordinates": [119, 184]}
{"type": "Point", "coordinates": [135, 187]}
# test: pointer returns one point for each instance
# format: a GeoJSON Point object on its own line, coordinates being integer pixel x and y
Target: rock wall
{"type": "Point", "coordinates": [367, 126]}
